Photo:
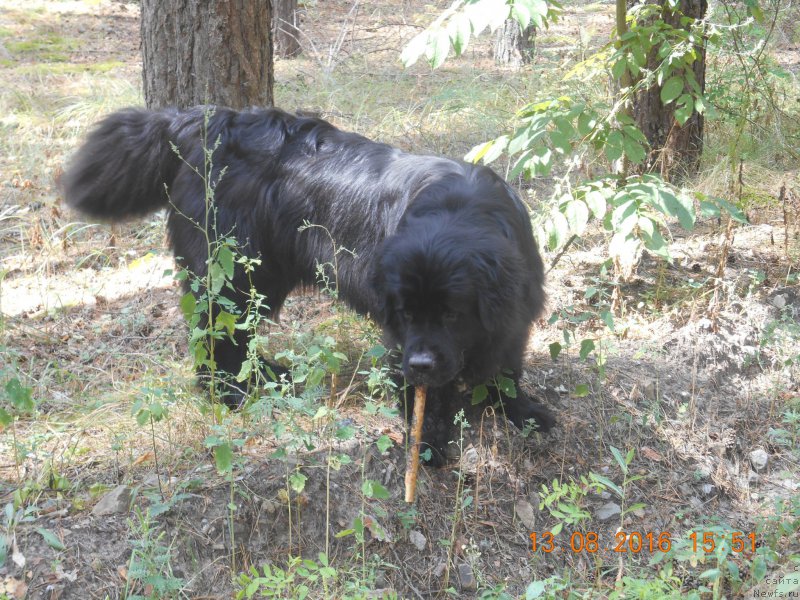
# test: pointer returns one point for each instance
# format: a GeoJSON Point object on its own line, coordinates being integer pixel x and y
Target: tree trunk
{"type": "Point", "coordinates": [675, 149]}
{"type": "Point", "coordinates": [286, 28]}
{"type": "Point", "coordinates": [207, 52]}
{"type": "Point", "coordinates": [512, 46]}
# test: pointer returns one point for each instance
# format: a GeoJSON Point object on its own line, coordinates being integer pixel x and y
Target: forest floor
{"type": "Point", "coordinates": [700, 375]}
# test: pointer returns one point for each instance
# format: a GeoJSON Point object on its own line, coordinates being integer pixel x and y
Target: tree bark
{"type": "Point", "coordinates": [207, 52]}
{"type": "Point", "coordinates": [676, 149]}
{"type": "Point", "coordinates": [513, 47]}
{"type": "Point", "coordinates": [286, 28]}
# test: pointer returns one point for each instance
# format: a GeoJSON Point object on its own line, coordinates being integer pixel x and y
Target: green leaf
{"type": "Point", "coordinates": [555, 350]}
{"type": "Point", "coordinates": [621, 462]}
{"type": "Point", "coordinates": [478, 152]}
{"type": "Point", "coordinates": [560, 229]}
{"type": "Point", "coordinates": [479, 394]}
{"type": "Point", "coordinates": [581, 390]}
{"type": "Point", "coordinates": [496, 149]}
{"type": "Point", "coordinates": [535, 590]}
{"type": "Point", "coordinates": [521, 14]}
{"type": "Point", "coordinates": [216, 278]}
{"type": "Point", "coordinates": [710, 574]}
{"type": "Point", "coordinates": [758, 569]}
{"type": "Point", "coordinates": [506, 385]}
{"type": "Point", "coordinates": [587, 347]}
{"type": "Point", "coordinates": [20, 396]}
{"type": "Point", "coordinates": [460, 31]}
{"type": "Point", "coordinates": [225, 259]}
{"type": "Point", "coordinates": [520, 165]}
{"type": "Point", "coordinates": [560, 142]}
{"type": "Point", "coordinates": [709, 209]}
{"type": "Point", "coordinates": [672, 88]}
{"type": "Point", "coordinates": [383, 443]}
{"type": "Point", "coordinates": [586, 123]}
{"type": "Point", "coordinates": [373, 489]}
{"type": "Point", "coordinates": [5, 418]}
{"type": "Point", "coordinates": [622, 215]}
{"type": "Point", "coordinates": [297, 482]}
{"type": "Point", "coordinates": [577, 214]}
{"type": "Point", "coordinates": [541, 162]}
{"type": "Point", "coordinates": [223, 458]}
{"type": "Point", "coordinates": [438, 48]}
{"type": "Point", "coordinates": [225, 320]}
{"type": "Point", "coordinates": [414, 49]}
{"type": "Point", "coordinates": [656, 243]}
{"type": "Point", "coordinates": [633, 150]}
{"type": "Point", "coordinates": [596, 203]}
{"type": "Point", "coordinates": [188, 304]}
{"type": "Point", "coordinates": [680, 206]}
{"type": "Point", "coordinates": [613, 147]}
{"type": "Point", "coordinates": [618, 68]}
{"type": "Point", "coordinates": [684, 111]}
{"type": "Point", "coordinates": [520, 140]}
{"type": "Point", "coordinates": [51, 539]}
{"type": "Point", "coordinates": [486, 13]}
{"type": "Point", "coordinates": [734, 211]}
{"type": "Point", "coordinates": [607, 483]}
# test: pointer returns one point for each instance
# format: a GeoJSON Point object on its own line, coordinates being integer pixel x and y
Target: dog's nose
{"type": "Point", "coordinates": [422, 362]}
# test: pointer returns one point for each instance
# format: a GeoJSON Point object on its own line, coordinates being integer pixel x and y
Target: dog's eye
{"type": "Point", "coordinates": [450, 316]}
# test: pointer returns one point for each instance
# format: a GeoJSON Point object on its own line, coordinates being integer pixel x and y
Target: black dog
{"type": "Point", "coordinates": [441, 252]}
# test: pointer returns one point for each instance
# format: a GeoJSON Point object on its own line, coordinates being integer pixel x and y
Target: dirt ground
{"type": "Point", "coordinates": [90, 315]}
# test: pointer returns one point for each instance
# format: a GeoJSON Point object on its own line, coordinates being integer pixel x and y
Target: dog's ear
{"type": "Point", "coordinates": [497, 291]}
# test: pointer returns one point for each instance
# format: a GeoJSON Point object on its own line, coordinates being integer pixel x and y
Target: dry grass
{"type": "Point", "coordinates": [90, 322]}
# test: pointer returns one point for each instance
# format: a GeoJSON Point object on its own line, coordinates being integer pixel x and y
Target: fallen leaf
{"type": "Point", "coordinates": [17, 556]}
{"type": "Point", "coordinates": [146, 457]}
{"type": "Point", "coordinates": [651, 454]}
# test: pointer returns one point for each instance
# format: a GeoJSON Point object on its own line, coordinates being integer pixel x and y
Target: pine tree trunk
{"type": "Point", "coordinates": [286, 28]}
{"type": "Point", "coordinates": [210, 52]}
{"type": "Point", "coordinates": [514, 47]}
{"type": "Point", "coordinates": [676, 149]}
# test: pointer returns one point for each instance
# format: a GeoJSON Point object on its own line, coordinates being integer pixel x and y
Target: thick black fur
{"type": "Point", "coordinates": [443, 256]}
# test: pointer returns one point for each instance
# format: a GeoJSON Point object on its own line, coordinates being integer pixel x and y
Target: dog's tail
{"type": "Point", "coordinates": [124, 167]}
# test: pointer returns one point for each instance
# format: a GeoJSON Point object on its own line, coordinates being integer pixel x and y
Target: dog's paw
{"type": "Point", "coordinates": [522, 409]}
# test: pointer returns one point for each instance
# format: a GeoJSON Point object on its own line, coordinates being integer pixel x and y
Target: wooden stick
{"type": "Point", "coordinates": [412, 462]}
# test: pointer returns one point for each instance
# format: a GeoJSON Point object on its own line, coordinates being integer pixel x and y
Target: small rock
{"type": "Point", "coordinates": [608, 511]}
{"type": "Point", "coordinates": [382, 593]}
{"type": "Point", "coordinates": [466, 578]}
{"type": "Point", "coordinates": [116, 501]}
{"type": "Point", "coordinates": [649, 389]}
{"type": "Point", "coordinates": [269, 506]}
{"type": "Point", "coordinates": [790, 484]}
{"type": "Point", "coordinates": [439, 570]}
{"type": "Point", "coordinates": [469, 460]}
{"type": "Point", "coordinates": [526, 514]}
{"type": "Point", "coordinates": [779, 301]}
{"type": "Point", "coordinates": [759, 459]}
{"type": "Point", "coordinates": [707, 489]}
{"type": "Point", "coordinates": [151, 480]}
{"type": "Point", "coordinates": [416, 538]}
{"type": "Point", "coordinates": [753, 477]}
{"type": "Point", "coordinates": [703, 470]}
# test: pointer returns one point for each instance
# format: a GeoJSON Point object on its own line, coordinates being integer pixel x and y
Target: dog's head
{"type": "Point", "coordinates": [449, 286]}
